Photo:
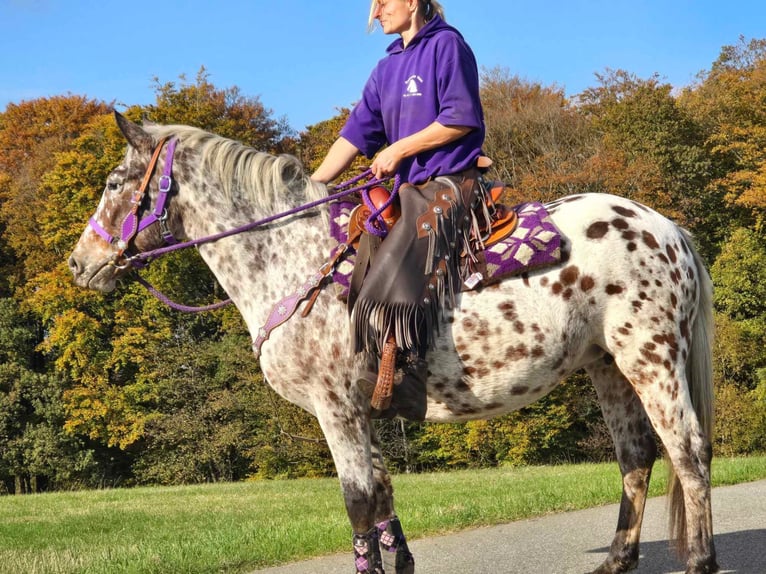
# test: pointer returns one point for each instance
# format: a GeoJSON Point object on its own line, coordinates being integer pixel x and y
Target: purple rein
{"type": "Point", "coordinates": [145, 257]}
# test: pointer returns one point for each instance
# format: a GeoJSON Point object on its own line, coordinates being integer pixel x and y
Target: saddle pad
{"type": "Point", "coordinates": [536, 242]}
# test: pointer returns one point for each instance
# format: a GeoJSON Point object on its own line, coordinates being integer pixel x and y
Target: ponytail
{"type": "Point", "coordinates": [430, 8]}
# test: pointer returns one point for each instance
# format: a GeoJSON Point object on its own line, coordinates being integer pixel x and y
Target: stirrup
{"type": "Point", "coordinates": [384, 387]}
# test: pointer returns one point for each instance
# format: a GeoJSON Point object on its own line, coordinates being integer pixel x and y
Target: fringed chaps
{"type": "Point", "coordinates": [413, 276]}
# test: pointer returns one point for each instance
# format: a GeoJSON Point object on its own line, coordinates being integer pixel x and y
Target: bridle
{"type": "Point", "coordinates": [133, 224]}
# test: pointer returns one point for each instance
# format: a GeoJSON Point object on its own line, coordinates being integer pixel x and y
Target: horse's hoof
{"type": "Point", "coordinates": [615, 567]}
{"type": "Point", "coordinates": [710, 567]}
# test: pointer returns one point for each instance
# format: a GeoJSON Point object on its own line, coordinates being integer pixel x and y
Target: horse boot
{"type": "Point", "coordinates": [393, 547]}
{"type": "Point", "coordinates": [367, 558]}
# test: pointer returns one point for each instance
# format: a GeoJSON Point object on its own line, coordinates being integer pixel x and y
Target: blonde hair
{"type": "Point", "coordinates": [435, 8]}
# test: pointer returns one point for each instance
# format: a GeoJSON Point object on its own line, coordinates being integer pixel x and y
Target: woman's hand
{"type": "Point", "coordinates": [386, 162]}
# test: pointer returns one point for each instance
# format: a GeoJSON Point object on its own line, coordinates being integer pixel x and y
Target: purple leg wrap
{"type": "Point", "coordinates": [367, 553]}
{"type": "Point", "coordinates": [392, 540]}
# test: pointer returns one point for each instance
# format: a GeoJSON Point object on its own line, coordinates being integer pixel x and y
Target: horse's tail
{"type": "Point", "coordinates": [699, 376]}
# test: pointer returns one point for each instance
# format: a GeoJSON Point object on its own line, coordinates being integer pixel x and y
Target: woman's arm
{"type": "Point", "coordinates": [431, 137]}
{"type": "Point", "coordinates": [337, 160]}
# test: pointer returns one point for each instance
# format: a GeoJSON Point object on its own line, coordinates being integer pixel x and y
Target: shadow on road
{"type": "Point", "coordinates": [738, 553]}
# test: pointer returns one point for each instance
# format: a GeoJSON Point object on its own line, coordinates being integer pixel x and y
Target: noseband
{"type": "Point", "coordinates": [132, 225]}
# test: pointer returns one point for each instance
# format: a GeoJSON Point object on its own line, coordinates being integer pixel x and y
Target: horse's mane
{"type": "Point", "coordinates": [269, 181]}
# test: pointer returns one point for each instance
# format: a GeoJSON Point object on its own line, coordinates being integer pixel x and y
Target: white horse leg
{"type": "Point", "coordinates": [393, 544]}
{"type": "Point", "coordinates": [636, 451]}
{"type": "Point", "coordinates": [348, 437]}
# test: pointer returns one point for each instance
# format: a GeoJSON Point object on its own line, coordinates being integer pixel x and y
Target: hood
{"type": "Point", "coordinates": [432, 27]}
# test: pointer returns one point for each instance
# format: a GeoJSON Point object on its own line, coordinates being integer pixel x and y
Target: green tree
{"type": "Point", "coordinates": [740, 357]}
{"type": "Point", "coordinates": [35, 452]}
{"type": "Point", "coordinates": [740, 299]}
{"type": "Point", "coordinates": [554, 429]}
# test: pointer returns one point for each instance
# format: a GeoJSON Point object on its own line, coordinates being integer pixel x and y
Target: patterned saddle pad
{"type": "Point", "coordinates": [535, 243]}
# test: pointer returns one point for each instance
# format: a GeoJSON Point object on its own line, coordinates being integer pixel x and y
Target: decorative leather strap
{"type": "Point", "coordinates": [286, 308]}
{"type": "Point", "coordinates": [428, 223]}
{"type": "Point", "coordinates": [130, 224]}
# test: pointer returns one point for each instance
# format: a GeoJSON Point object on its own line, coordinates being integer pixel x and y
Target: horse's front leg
{"type": "Point", "coordinates": [396, 554]}
{"type": "Point", "coordinates": [348, 433]}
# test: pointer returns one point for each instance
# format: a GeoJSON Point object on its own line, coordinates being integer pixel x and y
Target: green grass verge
{"type": "Point", "coordinates": [240, 527]}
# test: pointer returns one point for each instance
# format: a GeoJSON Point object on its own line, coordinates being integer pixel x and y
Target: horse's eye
{"type": "Point", "coordinates": [112, 186]}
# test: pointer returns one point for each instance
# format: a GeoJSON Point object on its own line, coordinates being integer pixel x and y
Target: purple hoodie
{"type": "Point", "coordinates": [434, 78]}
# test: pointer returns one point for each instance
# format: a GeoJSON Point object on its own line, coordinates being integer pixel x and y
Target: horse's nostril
{"type": "Point", "coordinates": [74, 265]}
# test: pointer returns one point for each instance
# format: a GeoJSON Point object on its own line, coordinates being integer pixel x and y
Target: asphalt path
{"type": "Point", "coordinates": [577, 542]}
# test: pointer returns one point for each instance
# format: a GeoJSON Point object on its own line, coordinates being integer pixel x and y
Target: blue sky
{"type": "Point", "coordinates": [304, 59]}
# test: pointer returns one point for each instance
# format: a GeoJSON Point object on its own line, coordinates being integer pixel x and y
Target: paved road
{"type": "Point", "coordinates": [577, 542]}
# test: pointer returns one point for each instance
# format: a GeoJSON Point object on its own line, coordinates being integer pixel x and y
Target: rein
{"type": "Point", "coordinates": [147, 256]}
{"type": "Point", "coordinates": [287, 306]}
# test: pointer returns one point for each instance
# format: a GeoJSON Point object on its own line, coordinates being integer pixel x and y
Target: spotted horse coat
{"type": "Point", "coordinates": [630, 303]}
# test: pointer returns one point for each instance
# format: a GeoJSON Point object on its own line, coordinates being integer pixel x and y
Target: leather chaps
{"type": "Point", "coordinates": [413, 275]}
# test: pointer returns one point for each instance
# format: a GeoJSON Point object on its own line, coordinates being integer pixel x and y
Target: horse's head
{"type": "Point", "coordinates": [131, 216]}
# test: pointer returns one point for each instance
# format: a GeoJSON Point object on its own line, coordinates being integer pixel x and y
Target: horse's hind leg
{"type": "Point", "coordinates": [393, 544]}
{"type": "Point", "coordinates": [636, 451]}
{"type": "Point", "coordinates": [667, 401]}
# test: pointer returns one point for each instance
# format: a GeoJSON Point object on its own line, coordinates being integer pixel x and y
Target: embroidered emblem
{"type": "Point", "coordinates": [412, 86]}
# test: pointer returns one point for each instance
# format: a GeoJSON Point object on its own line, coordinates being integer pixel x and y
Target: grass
{"type": "Point", "coordinates": [239, 527]}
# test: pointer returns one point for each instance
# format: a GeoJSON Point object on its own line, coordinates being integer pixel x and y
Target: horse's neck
{"type": "Point", "coordinates": [260, 267]}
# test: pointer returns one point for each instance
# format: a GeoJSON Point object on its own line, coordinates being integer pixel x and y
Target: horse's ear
{"type": "Point", "coordinates": [135, 135]}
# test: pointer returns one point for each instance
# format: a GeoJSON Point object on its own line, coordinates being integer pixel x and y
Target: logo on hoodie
{"type": "Point", "coordinates": [412, 86]}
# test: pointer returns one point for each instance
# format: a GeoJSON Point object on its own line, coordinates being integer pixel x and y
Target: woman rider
{"type": "Point", "coordinates": [420, 109]}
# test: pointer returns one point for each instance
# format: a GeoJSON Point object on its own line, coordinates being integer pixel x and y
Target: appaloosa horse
{"type": "Point", "coordinates": [630, 303]}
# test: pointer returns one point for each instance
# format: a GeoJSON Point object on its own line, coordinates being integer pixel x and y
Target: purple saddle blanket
{"type": "Point", "coordinates": [535, 243]}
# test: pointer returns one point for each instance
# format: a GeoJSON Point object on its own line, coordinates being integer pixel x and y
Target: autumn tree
{"type": "Point", "coordinates": [642, 125]}
{"type": "Point", "coordinates": [101, 388]}
{"type": "Point", "coordinates": [729, 100]}
{"type": "Point", "coordinates": [31, 133]}
{"type": "Point", "coordinates": [538, 142]}
{"type": "Point", "coordinates": [224, 111]}
{"type": "Point", "coordinates": [127, 358]}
